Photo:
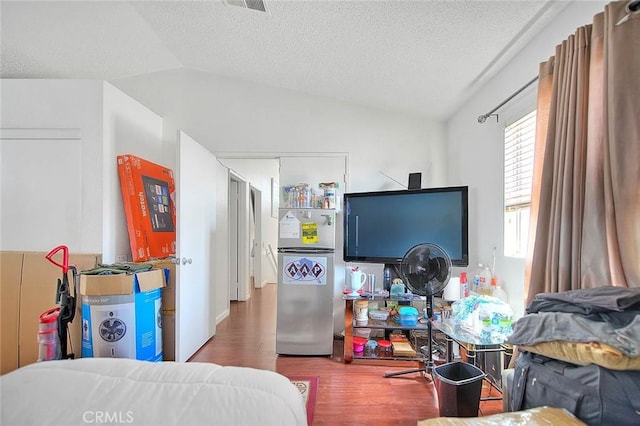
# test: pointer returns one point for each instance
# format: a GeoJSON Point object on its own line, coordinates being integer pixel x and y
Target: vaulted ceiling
{"type": "Point", "coordinates": [423, 57]}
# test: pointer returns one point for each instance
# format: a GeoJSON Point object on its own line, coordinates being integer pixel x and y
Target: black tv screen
{"type": "Point", "coordinates": [380, 227]}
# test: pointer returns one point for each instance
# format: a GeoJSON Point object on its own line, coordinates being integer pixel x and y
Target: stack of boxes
{"type": "Point", "coordinates": [122, 315]}
{"type": "Point", "coordinates": [132, 315]}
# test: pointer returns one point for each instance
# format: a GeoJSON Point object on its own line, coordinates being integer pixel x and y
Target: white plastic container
{"type": "Point", "coordinates": [361, 312]}
{"type": "Point", "coordinates": [452, 290]}
{"type": "Point", "coordinates": [362, 332]}
{"type": "Point", "coordinates": [497, 291]}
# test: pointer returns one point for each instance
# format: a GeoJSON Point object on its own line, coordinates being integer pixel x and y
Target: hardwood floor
{"type": "Point", "coordinates": [348, 394]}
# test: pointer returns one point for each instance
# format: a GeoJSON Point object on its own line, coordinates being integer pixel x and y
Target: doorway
{"type": "Point", "coordinates": [258, 173]}
{"type": "Point", "coordinates": [239, 247]}
{"type": "Point", "coordinates": [255, 237]}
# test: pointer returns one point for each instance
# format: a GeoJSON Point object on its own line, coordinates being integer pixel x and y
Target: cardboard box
{"type": "Point", "coordinates": [10, 277]}
{"type": "Point", "coordinates": [28, 282]}
{"type": "Point", "coordinates": [168, 309]}
{"type": "Point", "coordinates": [168, 292]}
{"type": "Point", "coordinates": [148, 195]}
{"type": "Point", "coordinates": [122, 315]}
{"type": "Point", "coordinates": [169, 335]}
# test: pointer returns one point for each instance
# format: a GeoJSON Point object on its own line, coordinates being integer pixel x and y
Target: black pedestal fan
{"type": "Point", "coordinates": [426, 269]}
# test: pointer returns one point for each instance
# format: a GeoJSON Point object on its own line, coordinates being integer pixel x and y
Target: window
{"type": "Point", "coordinates": [519, 139]}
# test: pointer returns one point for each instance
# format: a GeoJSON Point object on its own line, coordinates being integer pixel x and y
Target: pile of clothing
{"type": "Point", "coordinates": [599, 325]}
{"type": "Point", "coordinates": [580, 350]}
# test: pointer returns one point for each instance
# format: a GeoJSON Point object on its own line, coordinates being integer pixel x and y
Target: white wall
{"type": "Point", "coordinates": [128, 128]}
{"type": "Point", "coordinates": [105, 123]}
{"type": "Point", "coordinates": [231, 116]}
{"type": "Point", "coordinates": [35, 105]}
{"type": "Point", "coordinates": [475, 151]}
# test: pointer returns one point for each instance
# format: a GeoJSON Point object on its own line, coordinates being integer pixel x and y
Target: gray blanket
{"type": "Point", "coordinates": [570, 327]}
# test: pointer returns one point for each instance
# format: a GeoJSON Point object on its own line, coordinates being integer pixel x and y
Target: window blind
{"type": "Point", "coordinates": [519, 139]}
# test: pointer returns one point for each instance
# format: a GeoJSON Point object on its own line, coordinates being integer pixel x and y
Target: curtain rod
{"type": "Point", "coordinates": [482, 118]}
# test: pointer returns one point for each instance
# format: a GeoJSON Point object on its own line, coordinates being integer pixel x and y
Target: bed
{"type": "Point", "coordinates": [114, 391]}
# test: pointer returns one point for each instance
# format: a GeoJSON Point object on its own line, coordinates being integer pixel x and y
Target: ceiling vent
{"type": "Point", "coordinates": [249, 4]}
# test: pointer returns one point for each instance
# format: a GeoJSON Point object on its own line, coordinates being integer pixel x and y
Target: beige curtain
{"type": "Point", "coordinates": [585, 213]}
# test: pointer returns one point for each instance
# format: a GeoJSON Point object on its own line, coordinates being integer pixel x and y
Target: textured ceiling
{"type": "Point", "coordinates": [423, 57]}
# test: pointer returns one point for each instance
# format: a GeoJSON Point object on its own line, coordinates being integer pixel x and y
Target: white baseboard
{"type": "Point", "coordinates": [222, 316]}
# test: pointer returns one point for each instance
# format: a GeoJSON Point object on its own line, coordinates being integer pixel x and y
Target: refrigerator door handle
{"type": "Point", "coordinates": [306, 251]}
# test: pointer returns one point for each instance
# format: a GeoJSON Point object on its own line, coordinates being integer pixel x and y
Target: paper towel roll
{"type": "Point", "coordinates": [452, 290]}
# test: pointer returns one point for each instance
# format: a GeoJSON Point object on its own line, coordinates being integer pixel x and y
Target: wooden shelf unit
{"type": "Point", "coordinates": [390, 324]}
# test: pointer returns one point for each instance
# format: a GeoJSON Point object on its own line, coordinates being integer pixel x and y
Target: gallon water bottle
{"type": "Point", "coordinates": [497, 291]}
{"type": "Point", "coordinates": [48, 339]}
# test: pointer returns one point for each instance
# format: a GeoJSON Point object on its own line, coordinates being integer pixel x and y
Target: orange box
{"type": "Point", "coordinates": [148, 194]}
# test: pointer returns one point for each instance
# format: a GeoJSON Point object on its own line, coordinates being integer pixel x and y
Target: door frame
{"type": "Point", "coordinates": [222, 155]}
{"type": "Point", "coordinates": [239, 253]}
{"type": "Point", "coordinates": [256, 244]}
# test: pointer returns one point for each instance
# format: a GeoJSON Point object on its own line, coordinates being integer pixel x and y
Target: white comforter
{"type": "Point", "coordinates": [123, 391]}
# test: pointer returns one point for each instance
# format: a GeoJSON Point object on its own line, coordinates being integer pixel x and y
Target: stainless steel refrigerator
{"type": "Point", "coordinates": [306, 247]}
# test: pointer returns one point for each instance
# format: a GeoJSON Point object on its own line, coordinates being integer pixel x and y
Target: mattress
{"type": "Point", "coordinates": [125, 391]}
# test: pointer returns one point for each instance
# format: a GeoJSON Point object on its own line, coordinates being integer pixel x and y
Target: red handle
{"type": "Point", "coordinates": [65, 258]}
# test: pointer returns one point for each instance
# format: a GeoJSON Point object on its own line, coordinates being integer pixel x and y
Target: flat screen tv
{"type": "Point", "coordinates": [380, 227]}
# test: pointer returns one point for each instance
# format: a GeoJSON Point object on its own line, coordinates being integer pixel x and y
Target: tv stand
{"type": "Point", "coordinates": [389, 325]}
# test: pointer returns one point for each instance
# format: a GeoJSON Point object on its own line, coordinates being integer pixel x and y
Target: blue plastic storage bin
{"type": "Point", "coordinates": [408, 316]}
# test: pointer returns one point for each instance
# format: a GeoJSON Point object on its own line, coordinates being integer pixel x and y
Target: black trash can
{"type": "Point", "coordinates": [459, 386]}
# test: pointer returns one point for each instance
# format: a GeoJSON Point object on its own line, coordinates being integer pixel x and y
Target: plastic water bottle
{"type": "Point", "coordinates": [475, 285]}
{"type": "Point", "coordinates": [497, 291]}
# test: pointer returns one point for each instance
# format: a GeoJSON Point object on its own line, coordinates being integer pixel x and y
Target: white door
{"type": "Point", "coordinates": [234, 239]}
{"type": "Point", "coordinates": [195, 251]}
